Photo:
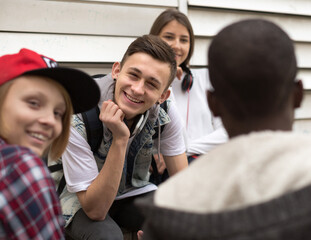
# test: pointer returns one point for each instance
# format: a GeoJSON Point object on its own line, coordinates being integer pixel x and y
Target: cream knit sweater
{"type": "Point", "coordinates": [247, 170]}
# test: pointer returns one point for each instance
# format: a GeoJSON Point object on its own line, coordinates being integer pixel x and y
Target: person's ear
{"type": "Point", "coordinates": [298, 93]}
{"type": "Point", "coordinates": [116, 68]}
{"type": "Point", "coordinates": [213, 103]}
{"type": "Point", "coordinates": [165, 95]}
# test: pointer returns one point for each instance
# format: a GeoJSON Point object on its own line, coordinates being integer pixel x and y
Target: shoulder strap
{"type": "Point", "coordinates": [93, 127]}
{"type": "Point", "coordinates": [94, 132]}
{"type": "Point", "coordinates": [62, 183]}
{"type": "Point", "coordinates": [56, 167]}
{"type": "Point", "coordinates": [164, 106]}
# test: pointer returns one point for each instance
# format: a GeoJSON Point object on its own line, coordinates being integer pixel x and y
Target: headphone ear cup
{"type": "Point", "coordinates": [187, 82]}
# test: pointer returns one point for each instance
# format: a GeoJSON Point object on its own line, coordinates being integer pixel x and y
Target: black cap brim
{"type": "Point", "coordinates": [83, 90]}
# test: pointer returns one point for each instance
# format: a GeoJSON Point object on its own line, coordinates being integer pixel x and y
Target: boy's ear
{"type": "Point", "coordinates": [116, 68]}
{"type": "Point", "coordinates": [212, 103]}
{"type": "Point", "coordinates": [298, 91]}
{"type": "Point", "coordinates": [165, 95]}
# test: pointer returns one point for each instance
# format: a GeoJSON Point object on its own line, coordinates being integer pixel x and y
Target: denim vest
{"type": "Point", "coordinates": [136, 166]}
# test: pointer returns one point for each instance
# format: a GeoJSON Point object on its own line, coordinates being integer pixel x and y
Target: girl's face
{"type": "Point", "coordinates": [32, 113]}
{"type": "Point", "coordinates": [178, 37]}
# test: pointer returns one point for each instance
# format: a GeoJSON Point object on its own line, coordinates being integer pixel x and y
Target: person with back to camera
{"type": "Point", "coordinates": [37, 99]}
{"type": "Point", "coordinates": [203, 131]}
{"type": "Point", "coordinates": [257, 186]}
{"type": "Point", "coordinates": [101, 187]}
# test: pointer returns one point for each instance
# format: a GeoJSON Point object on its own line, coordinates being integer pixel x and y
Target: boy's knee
{"type": "Point", "coordinates": [83, 227]}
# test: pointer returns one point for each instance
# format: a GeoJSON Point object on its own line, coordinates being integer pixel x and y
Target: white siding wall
{"type": "Point", "coordinates": [92, 34]}
{"type": "Point", "coordinates": [294, 16]}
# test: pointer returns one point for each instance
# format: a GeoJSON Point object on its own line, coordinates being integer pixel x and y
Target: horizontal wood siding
{"type": "Point", "coordinates": [92, 34]}
{"type": "Point", "coordinates": [299, 7]}
{"type": "Point", "coordinates": [208, 17]}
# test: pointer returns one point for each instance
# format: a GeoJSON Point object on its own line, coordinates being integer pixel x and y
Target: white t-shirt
{"type": "Point", "coordinates": [204, 131]}
{"type": "Point", "coordinates": [80, 166]}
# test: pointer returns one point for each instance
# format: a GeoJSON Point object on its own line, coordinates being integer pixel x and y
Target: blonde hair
{"type": "Point", "coordinates": [58, 146]}
{"type": "Point", "coordinates": [60, 143]}
{"type": "Point", "coordinates": [4, 89]}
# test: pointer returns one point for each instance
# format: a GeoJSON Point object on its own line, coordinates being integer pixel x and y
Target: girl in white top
{"type": "Point", "coordinates": [202, 131]}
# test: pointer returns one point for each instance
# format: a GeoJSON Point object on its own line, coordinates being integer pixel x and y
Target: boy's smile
{"type": "Point", "coordinates": [141, 82]}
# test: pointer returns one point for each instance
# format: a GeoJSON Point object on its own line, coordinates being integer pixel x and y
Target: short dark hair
{"type": "Point", "coordinates": [169, 15]}
{"type": "Point", "coordinates": [156, 48]}
{"type": "Point", "coordinates": [252, 67]}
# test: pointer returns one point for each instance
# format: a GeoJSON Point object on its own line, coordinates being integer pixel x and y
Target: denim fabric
{"type": "Point", "coordinates": [136, 166]}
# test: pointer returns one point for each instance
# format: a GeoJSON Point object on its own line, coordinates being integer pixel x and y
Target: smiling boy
{"type": "Point", "coordinates": [130, 110]}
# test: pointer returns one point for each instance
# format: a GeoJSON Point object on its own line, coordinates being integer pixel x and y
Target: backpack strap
{"type": "Point", "coordinates": [93, 128]}
{"type": "Point", "coordinates": [62, 183]}
{"type": "Point", "coordinates": [94, 132]}
{"type": "Point", "coordinates": [56, 167]}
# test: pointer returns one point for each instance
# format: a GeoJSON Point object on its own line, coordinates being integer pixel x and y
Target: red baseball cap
{"type": "Point", "coordinates": [83, 90]}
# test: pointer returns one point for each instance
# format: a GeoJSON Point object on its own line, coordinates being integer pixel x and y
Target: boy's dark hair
{"type": "Point", "coordinates": [252, 67]}
{"type": "Point", "coordinates": [156, 48]}
{"type": "Point", "coordinates": [166, 17]}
